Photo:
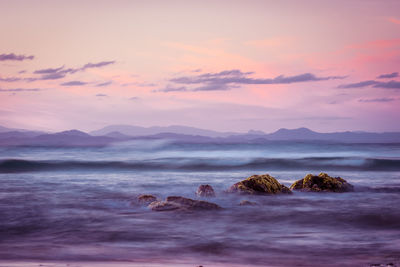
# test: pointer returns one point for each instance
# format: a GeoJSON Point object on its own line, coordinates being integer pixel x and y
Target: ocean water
{"type": "Point", "coordinates": [74, 204]}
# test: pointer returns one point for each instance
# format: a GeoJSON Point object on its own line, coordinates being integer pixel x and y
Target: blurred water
{"type": "Point", "coordinates": [69, 212]}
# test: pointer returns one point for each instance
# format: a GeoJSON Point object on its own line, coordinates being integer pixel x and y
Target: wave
{"type": "Point", "coordinates": [208, 164]}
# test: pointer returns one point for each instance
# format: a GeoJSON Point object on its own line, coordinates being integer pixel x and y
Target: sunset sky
{"type": "Point", "coordinates": [221, 65]}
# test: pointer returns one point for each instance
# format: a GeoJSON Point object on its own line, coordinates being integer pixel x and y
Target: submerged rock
{"type": "Point", "coordinates": [182, 204]}
{"type": "Point", "coordinates": [144, 200]}
{"type": "Point", "coordinates": [247, 203]}
{"type": "Point", "coordinates": [205, 190]}
{"type": "Point", "coordinates": [259, 184]}
{"type": "Point", "coordinates": [322, 183]}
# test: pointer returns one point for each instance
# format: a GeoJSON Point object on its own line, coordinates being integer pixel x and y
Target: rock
{"type": "Point", "coordinates": [247, 203]}
{"type": "Point", "coordinates": [145, 200]}
{"type": "Point", "coordinates": [182, 204]}
{"type": "Point", "coordinates": [205, 190]}
{"type": "Point", "coordinates": [163, 206]}
{"type": "Point", "coordinates": [259, 184]}
{"type": "Point", "coordinates": [322, 183]}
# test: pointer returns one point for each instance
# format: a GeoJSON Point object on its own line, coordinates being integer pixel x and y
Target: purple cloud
{"type": "Point", "coordinates": [101, 95]}
{"type": "Point", "coordinates": [239, 77]}
{"type": "Point", "coordinates": [61, 72]}
{"type": "Point", "coordinates": [388, 76]}
{"type": "Point", "coordinates": [228, 79]}
{"type": "Point", "coordinates": [21, 90]}
{"type": "Point", "coordinates": [169, 88]}
{"type": "Point", "coordinates": [358, 85]}
{"type": "Point", "coordinates": [214, 87]}
{"type": "Point", "coordinates": [383, 99]}
{"type": "Point", "coordinates": [49, 70]}
{"type": "Point", "coordinates": [73, 83]}
{"type": "Point", "coordinates": [388, 85]}
{"type": "Point", "coordinates": [14, 57]}
{"type": "Point", "coordinates": [134, 98]}
{"type": "Point", "coordinates": [97, 65]}
{"type": "Point", "coordinates": [103, 84]}
{"type": "Point", "coordinates": [9, 79]}
{"type": "Point", "coordinates": [376, 84]}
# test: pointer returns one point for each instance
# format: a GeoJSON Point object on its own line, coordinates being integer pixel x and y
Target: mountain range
{"type": "Point", "coordinates": [184, 134]}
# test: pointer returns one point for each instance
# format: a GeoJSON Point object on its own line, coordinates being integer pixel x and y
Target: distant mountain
{"type": "Point", "coordinates": [143, 131]}
{"type": "Point", "coordinates": [182, 134]}
{"type": "Point", "coordinates": [118, 135]}
{"type": "Point", "coordinates": [295, 134]}
{"type": "Point", "coordinates": [66, 138]}
{"type": "Point", "coordinates": [304, 134]}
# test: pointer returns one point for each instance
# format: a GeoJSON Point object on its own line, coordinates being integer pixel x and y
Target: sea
{"type": "Point", "coordinates": [78, 204]}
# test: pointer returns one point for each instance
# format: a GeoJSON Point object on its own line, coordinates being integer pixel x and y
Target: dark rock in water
{"type": "Point", "coordinates": [205, 190]}
{"type": "Point", "coordinates": [144, 200]}
{"type": "Point", "coordinates": [322, 183]}
{"type": "Point", "coordinates": [182, 204]}
{"type": "Point", "coordinates": [259, 184]}
{"type": "Point", "coordinates": [164, 206]}
{"type": "Point", "coordinates": [247, 203]}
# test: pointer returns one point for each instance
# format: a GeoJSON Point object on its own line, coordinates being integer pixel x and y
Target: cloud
{"type": "Point", "coordinates": [14, 57]}
{"type": "Point", "coordinates": [229, 79]}
{"type": "Point", "coordinates": [134, 98]}
{"type": "Point", "coordinates": [9, 79]}
{"type": "Point", "coordinates": [73, 83]}
{"type": "Point", "coordinates": [170, 88]}
{"type": "Point", "coordinates": [358, 85]}
{"type": "Point", "coordinates": [103, 84]}
{"type": "Point", "coordinates": [101, 95]}
{"type": "Point", "coordinates": [376, 84]}
{"type": "Point", "coordinates": [97, 65]}
{"type": "Point", "coordinates": [21, 90]}
{"type": "Point", "coordinates": [61, 72]}
{"type": "Point", "coordinates": [388, 85]}
{"type": "Point", "coordinates": [215, 87]}
{"type": "Point", "coordinates": [388, 76]}
{"type": "Point", "coordinates": [383, 99]}
{"type": "Point", "coordinates": [239, 77]}
{"type": "Point", "coordinates": [49, 70]}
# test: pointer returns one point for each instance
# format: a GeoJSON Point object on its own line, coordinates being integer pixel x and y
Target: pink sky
{"type": "Point", "coordinates": [222, 65]}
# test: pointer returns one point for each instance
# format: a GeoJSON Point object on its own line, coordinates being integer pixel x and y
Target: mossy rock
{"type": "Point", "coordinates": [322, 183]}
{"type": "Point", "coordinates": [259, 184]}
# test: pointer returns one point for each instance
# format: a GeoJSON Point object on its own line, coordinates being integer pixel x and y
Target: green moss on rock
{"type": "Point", "coordinates": [259, 184]}
{"type": "Point", "coordinates": [322, 183]}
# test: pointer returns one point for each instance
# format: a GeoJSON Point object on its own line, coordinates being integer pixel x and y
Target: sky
{"type": "Point", "coordinates": [221, 65]}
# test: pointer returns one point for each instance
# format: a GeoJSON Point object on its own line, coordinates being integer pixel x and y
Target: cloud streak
{"type": "Point", "coordinates": [21, 90]}
{"type": "Point", "coordinates": [376, 84]}
{"type": "Point", "coordinates": [14, 57]}
{"type": "Point", "coordinates": [103, 84]}
{"type": "Point", "coordinates": [74, 83]}
{"type": "Point", "coordinates": [61, 72]}
{"type": "Point", "coordinates": [229, 79]}
{"type": "Point", "coordinates": [383, 99]}
{"type": "Point", "coordinates": [9, 79]}
{"type": "Point", "coordinates": [388, 76]}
